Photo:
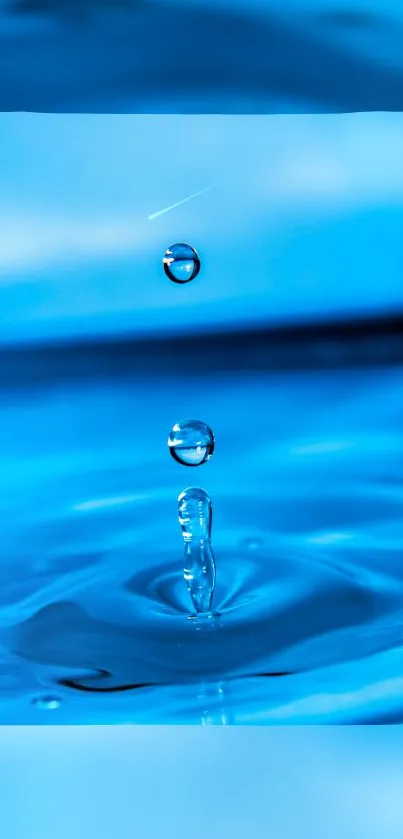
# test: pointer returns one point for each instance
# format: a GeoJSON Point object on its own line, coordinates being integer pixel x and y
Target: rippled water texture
{"type": "Point", "coordinates": [96, 622]}
{"type": "Point", "coordinates": [226, 56]}
{"type": "Point", "coordinates": [307, 496]}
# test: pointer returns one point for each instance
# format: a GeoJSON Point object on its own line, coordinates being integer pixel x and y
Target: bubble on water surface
{"type": "Point", "coordinates": [181, 263]}
{"type": "Point", "coordinates": [191, 442]}
{"type": "Point", "coordinates": [195, 517]}
{"type": "Point", "coordinates": [47, 703]}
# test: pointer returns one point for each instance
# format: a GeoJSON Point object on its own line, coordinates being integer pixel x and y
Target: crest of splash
{"type": "Point", "coordinates": [195, 517]}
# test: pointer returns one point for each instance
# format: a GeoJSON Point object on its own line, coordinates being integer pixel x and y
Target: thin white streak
{"type": "Point", "coordinates": [178, 203]}
{"type": "Point", "coordinates": [99, 503]}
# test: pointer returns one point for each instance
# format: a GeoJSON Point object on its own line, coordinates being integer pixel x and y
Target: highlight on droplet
{"type": "Point", "coordinates": [181, 263]}
{"type": "Point", "coordinates": [191, 442]}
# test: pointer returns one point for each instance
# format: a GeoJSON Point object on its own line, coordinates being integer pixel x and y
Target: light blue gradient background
{"type": "Point", "coordinates": [303, 222]}
{"type": "Point", "coordinates": [188, 782]}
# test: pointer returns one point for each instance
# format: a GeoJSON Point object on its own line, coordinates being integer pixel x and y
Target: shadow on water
{"type": "Point", "coordinates": [174, 58]}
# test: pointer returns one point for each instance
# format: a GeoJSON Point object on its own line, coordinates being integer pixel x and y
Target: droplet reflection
{"type": "Point", "coordinates": [191, 442]}
{"type": "Point", "coordinates": [181, 263]}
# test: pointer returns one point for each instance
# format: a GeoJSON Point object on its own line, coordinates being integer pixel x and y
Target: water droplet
{"type": "Point", "coordinates": [195, 517]}
{"type": "Point", "coordinates": [181, 263]}
{"type": "Point", "coordinates": [47, 703]}
{"type": "Point", "coordinates": [191, 442]}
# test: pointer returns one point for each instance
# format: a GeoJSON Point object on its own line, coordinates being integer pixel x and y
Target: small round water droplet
{"type": "Point", "coordinates": [191, 442]}
{"type": "Point", "coordinates": [47, 703]}
{"type": "Point", "coordinates": [181, 263]}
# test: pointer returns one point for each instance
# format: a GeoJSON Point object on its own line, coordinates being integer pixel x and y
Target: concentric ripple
{"type": "Point", "coordinates": [96, 623]}
{"type": "Point", "coordinates": [274, 613]}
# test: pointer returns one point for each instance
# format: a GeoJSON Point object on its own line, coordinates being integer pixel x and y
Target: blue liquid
{"type": "Point", "coordinates": [46, 703]}
{"type": "Point", "coordinates": [351, 59]}
{"type": "Point", "coordinates": [191, 442]}
{"type": "Point", "coordinates": [195, 517]}
{"type": "Point", "coordinates": [181, 263]}
{"type": "Point", "coordinates": [94, 609]}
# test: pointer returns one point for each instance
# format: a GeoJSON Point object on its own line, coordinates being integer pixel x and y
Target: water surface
{"type": "Point", "coordinates": [307, 491]}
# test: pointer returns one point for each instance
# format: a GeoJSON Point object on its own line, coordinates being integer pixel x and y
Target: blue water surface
{"type": "Point", "coordinates": [204, 56]}
{"type": "Point", "coordinates": [306, 490]}
{"type": "Point", "coordinates": [288, 343]}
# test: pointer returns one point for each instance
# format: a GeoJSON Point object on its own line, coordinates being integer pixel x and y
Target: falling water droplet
{"type": "Point", "coordinates": [47, 703]}
{"type": "Point", "coordinates": [191, 442]}
{"type": "Point", "coordinates": [195, 517]}
{"type": "Point", "coordinates": [181, 263]}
